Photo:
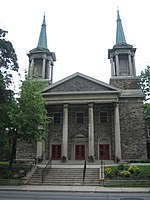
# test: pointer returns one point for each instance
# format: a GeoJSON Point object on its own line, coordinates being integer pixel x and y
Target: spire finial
{"type": "Point", "coordinates": [42, 43]}
{"type": "Point", "coordinates": [120, 37]}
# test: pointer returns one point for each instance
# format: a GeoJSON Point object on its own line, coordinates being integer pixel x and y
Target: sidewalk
{"type": "Point", "coordinates": [96, 189]}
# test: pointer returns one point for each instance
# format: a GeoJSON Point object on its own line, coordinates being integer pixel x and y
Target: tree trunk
{"type": "Point", "coordinates": [13, 151]}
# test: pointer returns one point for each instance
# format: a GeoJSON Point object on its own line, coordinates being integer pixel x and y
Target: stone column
{"type": "Point", "coordinates": [43, 69]}
{"type": "Point", "coordinates": [65, 131]}
{"type": "Point", "coordinates": [134, 68]}
{"type": "Point", "coordinates": [39, 149]}
{"type": "Point", "coordinates": [112, 66]}
{"type": "Point", "coordinates": [91, 130]}
{"type": "Point", "coordinates": [130, 65]}
{"type": "Point", "coordinates": [117, 132]}
{"type": "Point", "coordinates": [43, 149]}
{"type": "Point", "coordinates": [31, 68]}
{"type": "Point", "coordinates": [117, 65]}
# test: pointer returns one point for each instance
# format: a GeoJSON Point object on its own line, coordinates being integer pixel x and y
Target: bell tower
{"type": "Point", "coordinates": [41, 60]}
{"type": "Point", "coordinates": [122, 59]}
{"type": "Point", "coordinates": [122, 54]}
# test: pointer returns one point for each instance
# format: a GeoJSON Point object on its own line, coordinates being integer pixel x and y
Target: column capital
{"type": "Point", "coordinates": [90, 105]}
{"type": "Point", "coordinates": [65, 105]}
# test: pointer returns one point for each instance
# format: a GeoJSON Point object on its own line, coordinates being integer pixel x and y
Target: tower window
{"type": "Point", "coordinates": [57, 118]}
{"type": "Point", "coordinates": [103, 117]}
{"type": "Point", "coordinates": [80, 117]}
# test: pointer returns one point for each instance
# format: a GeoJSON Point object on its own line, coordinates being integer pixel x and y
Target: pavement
{"type": "Point", "coordinates": [95, 189]}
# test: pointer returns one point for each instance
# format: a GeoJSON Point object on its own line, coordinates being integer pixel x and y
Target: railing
{"type": "Point", "coordinates": [101, 170]}
{"type": "Point", "coordinates": [45, 170]}
{"type": "Point", "coordinates": [84, 170]}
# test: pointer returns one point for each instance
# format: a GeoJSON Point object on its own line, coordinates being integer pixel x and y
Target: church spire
{"type": "Point", "coordinates": [122, 55]}
{"type": "Point", "coordinates": [42, 43]}
{"type": "Point", "coordinates": [120, 37]}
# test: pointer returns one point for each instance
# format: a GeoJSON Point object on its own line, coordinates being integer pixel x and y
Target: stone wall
{"type": "Point", "coordinates": [25, 150]}
{"type": "Point", "coordinates": [132, 125]}
{"type": "Point", "coordinates": [125, 83]}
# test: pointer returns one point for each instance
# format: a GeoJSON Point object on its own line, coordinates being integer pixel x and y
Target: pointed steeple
{"type": "Point", "coordinates": [42, 43]}
{"type": "Point", "coordinates": [120, 37]}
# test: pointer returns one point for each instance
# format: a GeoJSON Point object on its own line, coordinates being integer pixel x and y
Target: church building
{"type": "Point", "coordinates": [91, 118]}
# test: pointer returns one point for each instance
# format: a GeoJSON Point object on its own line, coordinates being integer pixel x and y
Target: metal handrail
{"type": "Point", "coordinates": [45, 171]}
{"type": "Point", "coordinates": [84, 171]}
{"type": "Point", "coordinates": [101, 172]}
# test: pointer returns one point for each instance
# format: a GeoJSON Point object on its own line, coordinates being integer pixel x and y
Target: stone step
{"type": "Point", "coordinates": [66, 176]}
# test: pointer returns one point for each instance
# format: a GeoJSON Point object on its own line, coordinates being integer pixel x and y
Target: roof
{"type": "Point", "coordinates": [120, 37]}
{"type": "Point", "coordinates": [42, 43]}
{"type": "Point", "coordinates": [78, 82]}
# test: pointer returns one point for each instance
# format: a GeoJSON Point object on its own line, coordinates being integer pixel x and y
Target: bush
{"type": "Point", "coordinates": [124, 173]}
{"type": "Point", "coordinates": [133, 169]}
{"type": "Point", "coordinates": [91, 159]}
{"type": "Point", "coordinates": [123, 167]}
{"type": "Point", "coordinates": [108, 172]}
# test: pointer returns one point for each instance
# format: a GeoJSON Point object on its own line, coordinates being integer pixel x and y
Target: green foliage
{"type": "Point", "coordinates": [108, 172]}
{"type": "Point", "coordinates": [17, 171]}
{"type": "Point", "coordinates": [32, 116]}
{"type": "Point", "coordinates": [145, 82]}
{"type": "Point", "coordinates": [124, 171]}
{"type": "Point", "coordinates": [147, 111]}
{"type": "Point", "coordinates": [8, 59]}
{"type": "Point", "coordinates": [133, 169]}
{"type": "Point", "coordinates": [8, 65]}
{"type": "Point", "coordinates": [91, 158]}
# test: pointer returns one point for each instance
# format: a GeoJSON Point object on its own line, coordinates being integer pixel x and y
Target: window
{"type": "Point", "coordinates": [103, 117]}
{"type": "Point", "coordinates": [148, 131]}
{"type": "Point", "coordinates": [57, 118]}
{"type": "Point", "coordinates": [80, 117]}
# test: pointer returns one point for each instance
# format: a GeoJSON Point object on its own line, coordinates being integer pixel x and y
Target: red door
{"type": "Point", "coordinates": [104, 152]}
{"type": "Point", "coordinates": [80, 152]}
{"type": "Point", "coordinates": [56, 151]}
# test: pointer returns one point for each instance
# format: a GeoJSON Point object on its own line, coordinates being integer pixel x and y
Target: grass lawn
{"type": "Point", "coordinates": [128, 172]}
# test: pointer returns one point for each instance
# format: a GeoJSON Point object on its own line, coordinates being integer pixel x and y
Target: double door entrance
{"type": "Point", "coordinates": [79, 152]}
{"type": "Point", "coordinates": [104, 153]}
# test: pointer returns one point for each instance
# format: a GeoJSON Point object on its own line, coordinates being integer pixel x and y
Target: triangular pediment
{"type": "Point", "coordinates": [79, 83]}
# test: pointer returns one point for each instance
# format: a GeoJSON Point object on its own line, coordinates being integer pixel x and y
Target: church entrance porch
{"type": "Point", "coordinates": [80, 152]}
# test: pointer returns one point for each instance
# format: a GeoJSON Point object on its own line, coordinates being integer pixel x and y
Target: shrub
{"type": "Point", "coordinates": [91, 159]}
{"type": "Point", "coordinates": [133, 169]}
{"type": "Point", "coordinates": [123, 167]}
{"type": "Point", "coordinates": [108, 172]}
{"type": "Point", "coordinates": [124, 173]}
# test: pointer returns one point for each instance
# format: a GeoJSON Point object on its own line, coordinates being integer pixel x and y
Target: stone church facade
{"type": "Point", "coordinates": [90, 117]}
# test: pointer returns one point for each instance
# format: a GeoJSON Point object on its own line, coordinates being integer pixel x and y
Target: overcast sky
{"type": "Point", "coordinates": [80, 32]}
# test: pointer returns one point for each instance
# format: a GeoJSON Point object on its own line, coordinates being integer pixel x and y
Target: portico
{"type": "Point", "coordinates": [84, 119]}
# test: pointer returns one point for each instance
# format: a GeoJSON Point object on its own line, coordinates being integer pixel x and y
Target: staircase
{"type": "Point", "coordinates": [66, 176]}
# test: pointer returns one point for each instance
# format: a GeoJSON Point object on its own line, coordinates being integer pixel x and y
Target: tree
{"type": "Point", "coordinates": [145, 86]}
{"type": "Point", "coordinates": [8, 65]}
{"type": "Point", "coordinates": [145, 82]}
{"type": "Point", "coordinates": [28, 114]}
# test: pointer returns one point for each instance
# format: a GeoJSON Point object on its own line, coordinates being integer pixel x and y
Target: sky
{"type": "Point", "coordinates": [80, 32]}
